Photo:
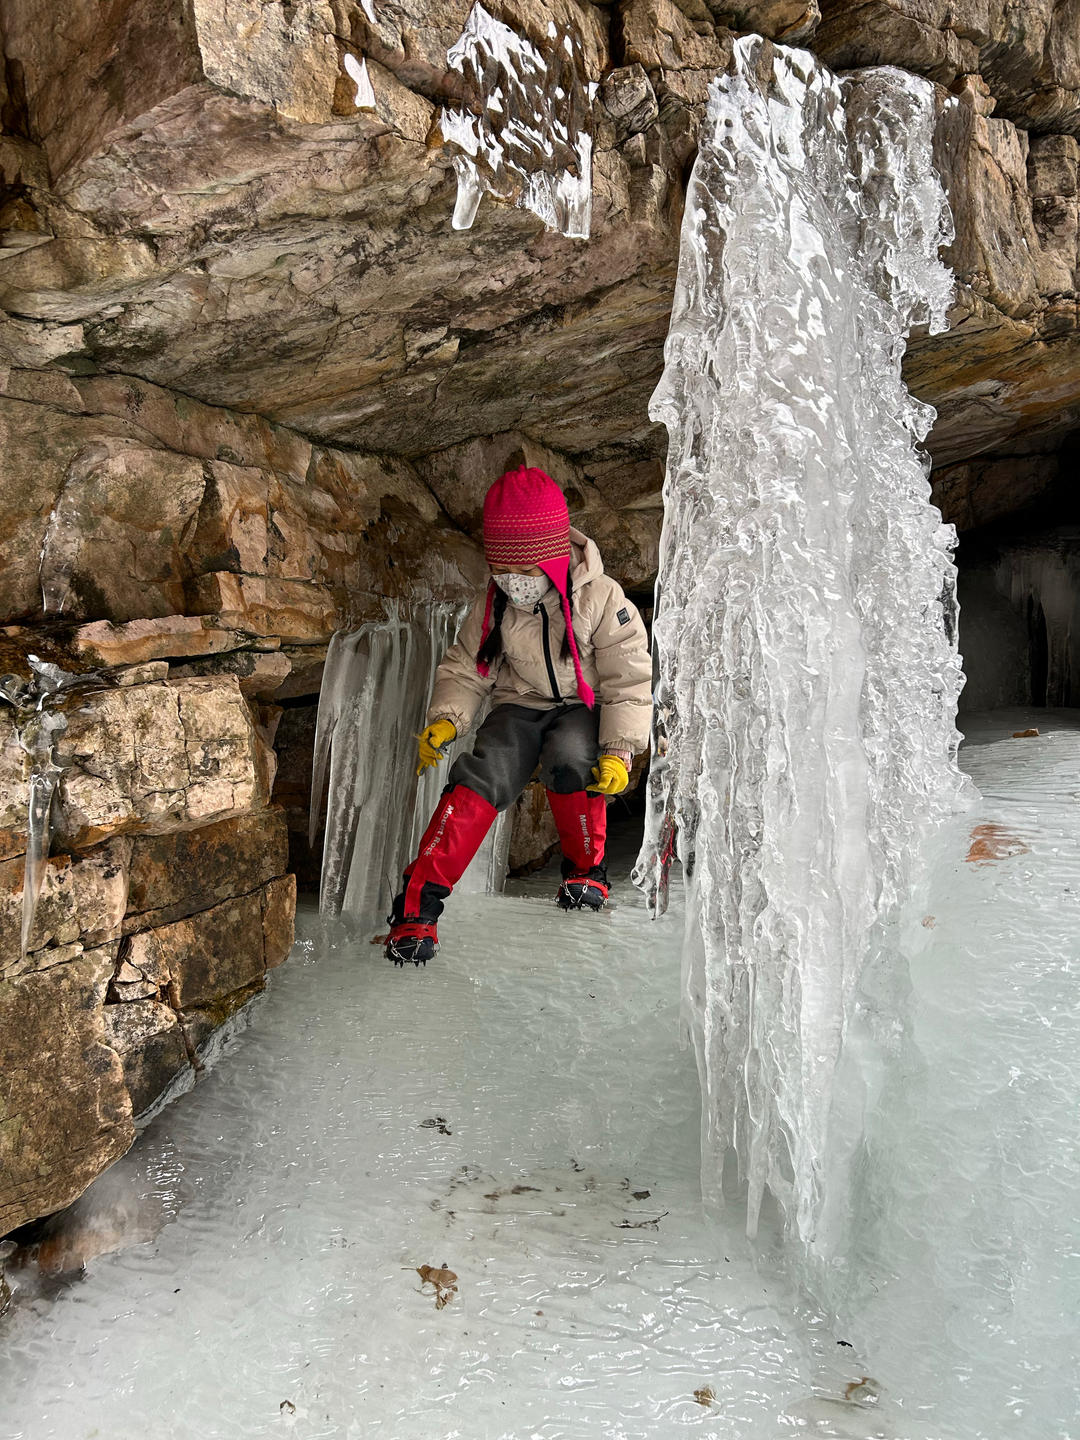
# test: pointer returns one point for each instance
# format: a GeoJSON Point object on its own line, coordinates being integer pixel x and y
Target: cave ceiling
{"type": "Point", "coordinates": [223, 221]}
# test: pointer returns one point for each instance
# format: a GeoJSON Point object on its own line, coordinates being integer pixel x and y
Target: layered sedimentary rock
{"type": "Point", "coordinates": [223, 218]}
{"type": "Point", "coordinates": [163, 905]}
{"type": "Point", "coordinates": [253, 385]}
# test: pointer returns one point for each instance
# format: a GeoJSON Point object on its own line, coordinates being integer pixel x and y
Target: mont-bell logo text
{"type": "Point", "coordinates": [433, 843]}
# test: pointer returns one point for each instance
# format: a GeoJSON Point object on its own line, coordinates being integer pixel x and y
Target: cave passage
{"type": "Point", "coordinates": [521, 1115]}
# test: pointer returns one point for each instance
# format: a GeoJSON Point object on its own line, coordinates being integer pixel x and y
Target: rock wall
{"type": "Point", "coordinates": [253, 385]}
{"type": "Point", "coordinates": [164, 903]}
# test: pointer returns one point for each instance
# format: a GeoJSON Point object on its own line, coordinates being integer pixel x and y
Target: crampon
{"type": "Point", "coordinates": [411, 940]}
{"type": "Point", "coordinates": [581, 892]}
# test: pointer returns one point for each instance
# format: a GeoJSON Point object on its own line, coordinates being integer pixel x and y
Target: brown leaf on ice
{"type": "Point", "coordinates": [864, 1391]}
{"type": "Point", "coordinates": [990, 842]}
{"type": "Point", "coordinates": [640, 1224]}
{"type": "Point", "coordinates": [443, 1280]}
{"type": "Point", "coordinates": [705, 1396]}
{"type": "Point", "coordinates": [437, 1122]}
{"type": "Point", "coordinates": [1023, 734]}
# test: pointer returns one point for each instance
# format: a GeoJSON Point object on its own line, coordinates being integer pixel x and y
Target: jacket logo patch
{"type": "Point", "coordinates": [623, 617]}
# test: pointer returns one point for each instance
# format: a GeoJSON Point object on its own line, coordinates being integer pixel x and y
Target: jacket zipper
{"type": "Point", "coordinates": [541, 610]}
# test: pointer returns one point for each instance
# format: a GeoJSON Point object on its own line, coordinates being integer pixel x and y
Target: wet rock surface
{"type": "Point", "coordinates": [161, 907]}
{"type": "Point", "coordinates": [65, 1122]}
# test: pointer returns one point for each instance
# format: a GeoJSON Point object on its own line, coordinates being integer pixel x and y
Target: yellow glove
{"type": "Point", "coordinates": [433, 743]}
{"type": "Point", "coordinates": [611, 774]}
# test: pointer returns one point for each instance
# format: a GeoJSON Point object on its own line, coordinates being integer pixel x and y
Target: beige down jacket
{"type": "Point", "coordinates": [611, 639]}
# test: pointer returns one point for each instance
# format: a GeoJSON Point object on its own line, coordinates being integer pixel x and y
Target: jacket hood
{"type": "Point", "coordinates": [585, 561]}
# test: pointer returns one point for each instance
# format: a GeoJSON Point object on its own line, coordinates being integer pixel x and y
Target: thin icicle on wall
{"type": "Point", "coordinates": [375, 690]}
{"type": "Point", "coordinates": [805, 621]}
{"type": "Point", "coordinates": [528, 136]}
{"type": "Point", "coordinates": [38, 710]}
{"type": "Point", "coordinates": [357, 71]}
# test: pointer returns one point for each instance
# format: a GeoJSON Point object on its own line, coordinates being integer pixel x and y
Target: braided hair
{"type": "Point", "coordinates": [491, 649]}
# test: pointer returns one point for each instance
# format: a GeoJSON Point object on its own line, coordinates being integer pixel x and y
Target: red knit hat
{"type": "Point", "coordinates": [526, 522]}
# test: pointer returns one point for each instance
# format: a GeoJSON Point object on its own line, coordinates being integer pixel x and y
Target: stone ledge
{"type": "Point", "coordinates": [170, 637]}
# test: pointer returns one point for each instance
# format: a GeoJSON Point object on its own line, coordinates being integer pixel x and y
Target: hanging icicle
{"type": "Point", "coordinates": [38, 705]}
{"type": "Point", "coordinates": [527, 137]}
{"type": "Point", "coordinates": [376, 685]}
{"type": "Point", "coordinates": [357, 71]}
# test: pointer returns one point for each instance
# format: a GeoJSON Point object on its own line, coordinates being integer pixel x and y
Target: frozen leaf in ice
{"type": "Point", "coordinates": [653, 1224]}
{"type": "Point", "coordinates": [990, 842]}
{"type": "Point", "coordinates": [436, 1122]}
{"type": "Point", "coordinates": [864, 1391]}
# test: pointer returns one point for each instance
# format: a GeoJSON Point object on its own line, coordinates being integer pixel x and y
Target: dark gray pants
{"type": "Point", "coordinates": [513, 739]}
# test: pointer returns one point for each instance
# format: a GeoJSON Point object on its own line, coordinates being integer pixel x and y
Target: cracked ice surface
{"type": "Point", "coordinates": [526, 134]}
{"type": "Point", "coordinates": [808, 675]}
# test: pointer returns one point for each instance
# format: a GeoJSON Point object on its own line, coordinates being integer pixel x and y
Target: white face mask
{"type": "Point", "coordinates": [523, 590]}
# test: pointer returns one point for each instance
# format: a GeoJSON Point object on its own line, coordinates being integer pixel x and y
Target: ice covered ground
{"type": "Point", "coordinates": [503, 1116]}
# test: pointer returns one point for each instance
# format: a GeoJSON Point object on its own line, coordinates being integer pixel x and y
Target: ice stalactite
{"type": "Point", "coordinates": [805, 620]}
{"type": "Point", "coordinates": [526, 134]}
{"type": "Point", "coordinates": [357, 71]}
{"type": "Point", "coordinates": [376, 685]}
{"type": "Point", "coordinates": [39, 722]}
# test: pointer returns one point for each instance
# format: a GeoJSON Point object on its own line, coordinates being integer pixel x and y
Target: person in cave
{"type": "Point", "coordinates": [564, 657]}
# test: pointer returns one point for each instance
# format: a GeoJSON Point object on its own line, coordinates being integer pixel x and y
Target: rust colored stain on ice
{"type": "Point", "coordinates": [992, 842]}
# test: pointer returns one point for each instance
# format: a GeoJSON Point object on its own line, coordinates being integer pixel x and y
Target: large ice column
{"type": "Point", "coordinates": [376, 685]}
{"type": "Point", "coordinates": [804, 633]}
{"type": "Point", "coordinates": [525, 133]}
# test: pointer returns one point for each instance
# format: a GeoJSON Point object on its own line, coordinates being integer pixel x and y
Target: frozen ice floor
{"type": "Point", "coordinates": [297, 1190]}
{"type": "Point", "coordinates": [968, 1242]}
{"type": "Point", "coordinates": [521, 1114]}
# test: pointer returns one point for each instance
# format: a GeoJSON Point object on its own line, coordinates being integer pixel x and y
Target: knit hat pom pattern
{"type": "Point", "coordinates": [526, 523]}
